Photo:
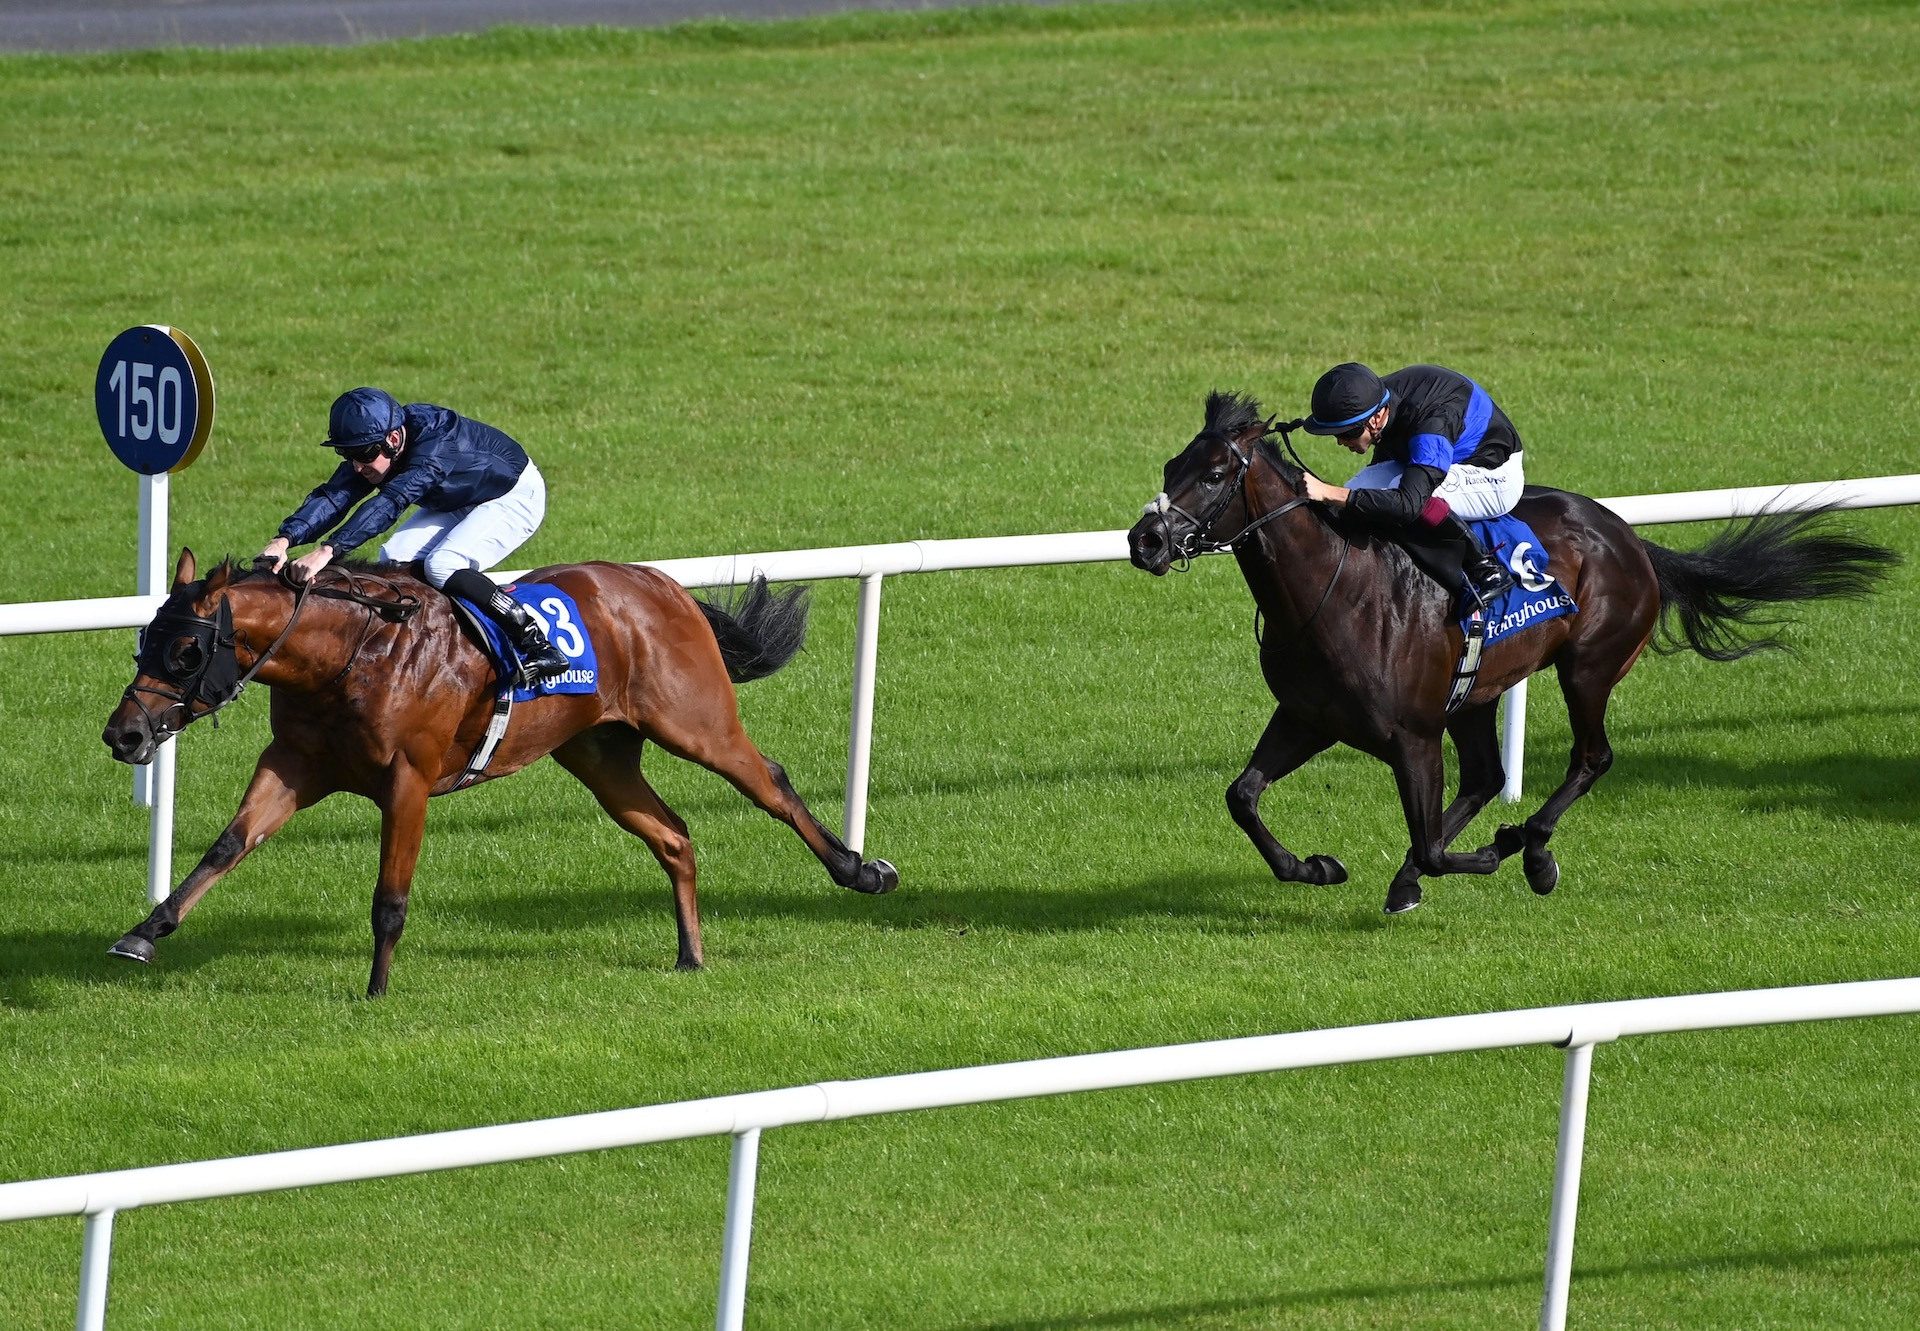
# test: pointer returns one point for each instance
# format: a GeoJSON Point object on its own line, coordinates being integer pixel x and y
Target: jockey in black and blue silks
{"type": "Point", "coordinates": [1443, 452]}
{"type": "Point", "coordinates": [477, 495]}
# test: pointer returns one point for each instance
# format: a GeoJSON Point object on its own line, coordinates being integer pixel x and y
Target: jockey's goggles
{"type": "Point", "coordinates": [359, 452]}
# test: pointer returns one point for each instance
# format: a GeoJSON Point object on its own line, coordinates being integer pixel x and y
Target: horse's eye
{"type": "Point", "coordinates": [1217, 475]}
{"type": "Point", "coordinates": [185, 656]}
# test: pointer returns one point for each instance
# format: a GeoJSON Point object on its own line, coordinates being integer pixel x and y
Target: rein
{"type": "Point", "coordinates": [1198, 543]}
{"type": "Point", "coordinates": [218, 653]}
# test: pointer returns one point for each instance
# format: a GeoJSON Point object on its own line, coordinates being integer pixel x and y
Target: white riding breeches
{"type": "Point", "coordinates": [1474, 493]}
{"type": "Point", "coordinates": [477, 538]}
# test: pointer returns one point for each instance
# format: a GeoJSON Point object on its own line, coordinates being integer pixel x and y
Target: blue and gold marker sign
{"type": "Point", "coordinates": [153, 395]}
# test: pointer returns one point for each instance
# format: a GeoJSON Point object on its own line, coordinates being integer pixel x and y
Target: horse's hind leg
{"type": "Point", "coordinates": [281, 786]}
{"type": "Point", "coordinates": [1283, 746]}
{"type": "Point", "coordinates": [606, 760]}
{"type": "Point", "coordinates": [725, 749]}
{"type": "Point", "coordinates": [1586, 687]}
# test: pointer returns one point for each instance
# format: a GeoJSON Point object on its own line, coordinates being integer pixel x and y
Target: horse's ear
{"type": "Point", "coordinates": [186, 570]}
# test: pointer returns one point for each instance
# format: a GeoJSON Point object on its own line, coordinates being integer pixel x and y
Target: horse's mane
{"type": "Point", "coordinates": [1231, 413]}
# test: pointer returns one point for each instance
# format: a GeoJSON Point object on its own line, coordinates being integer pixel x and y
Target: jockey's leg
{"type": "Point", "coordinates": [484, 536]}
{"type": "Point", "coordinates": [539, 658]}
{"type": "Point", "coordinates": [1476, 494]}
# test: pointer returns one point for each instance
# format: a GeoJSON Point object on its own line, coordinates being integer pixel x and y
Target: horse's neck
{"type": "Point", "coordinates": [312, 653]}
{"type": "Point", "coordinates": [1290, 561]}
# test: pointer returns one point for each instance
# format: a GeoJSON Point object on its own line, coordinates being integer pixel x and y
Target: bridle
{"type": "Point", "coordinates": [1196, 542]}
{"type": "Point", "coordinates": [196, 660]}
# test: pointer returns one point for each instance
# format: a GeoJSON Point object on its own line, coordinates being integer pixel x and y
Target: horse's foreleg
{"type": "Point", "coordinates": [1283, 746]}
{"type": "Point", "coordinates": [1419, 770]}
{"type": "Point", "coordinates": [281, 786]}
{"type": "Point", "coordinates": [403, 820]}
{"type": "Point", "coordinates": [606, 760]}
{"type": "Point", "coordinates": [1481, 774]}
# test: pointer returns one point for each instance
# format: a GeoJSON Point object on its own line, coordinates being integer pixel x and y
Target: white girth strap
{"type": "Point", "coordinates": [496, 731]}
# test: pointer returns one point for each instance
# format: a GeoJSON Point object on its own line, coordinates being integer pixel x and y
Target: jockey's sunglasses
{"type": "Point", "coordinates": [359, 452]}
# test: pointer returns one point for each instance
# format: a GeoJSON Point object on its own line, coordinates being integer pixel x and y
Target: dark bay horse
{"type": "Point", "coordinates": [1360, 647]}
{"type": "Point", "coordinates": [376, 690]}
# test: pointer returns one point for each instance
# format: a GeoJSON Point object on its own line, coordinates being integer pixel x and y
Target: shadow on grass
{"type": "Point", "coordinates": [1840, 785]}
{"type": "Point", "coordinates": [1237, 900]}
{"type": "Point", "coordinates": [1175, 1314]}
{"type": "Point", "coordinates": [30, 960]}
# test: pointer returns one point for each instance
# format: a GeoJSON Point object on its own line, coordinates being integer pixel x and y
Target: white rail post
{"type": "Point", "coordinates": [1513, 739]}
{"type": "Point", "coordinates": [739, 1230]}
{"type": "Point", "coordinates": [866, 657]}
{"type": "Point", "coordinates": [1566, 1175]}
{"type": "Point", "coordinates": [153, 784]}
{"type": "Point", "coordinates": [96, 1251]}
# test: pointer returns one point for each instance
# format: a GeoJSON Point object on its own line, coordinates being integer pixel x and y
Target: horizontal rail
{"type": "Point", "coordinates": [977, 552]}
{"type": "Point", "coordinates": [1588, 1023]}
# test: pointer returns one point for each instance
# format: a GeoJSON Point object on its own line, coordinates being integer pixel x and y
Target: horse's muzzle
{"type": "Point", "coordinates": [131, 740]}
{"type": "Point", "coordinates": [1150, 544]}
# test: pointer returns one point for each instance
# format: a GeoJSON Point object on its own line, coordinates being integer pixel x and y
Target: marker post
{"type": "Point", "coordinates": [153, 395]}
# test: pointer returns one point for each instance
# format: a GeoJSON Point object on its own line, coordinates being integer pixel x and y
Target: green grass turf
{"type": "Point", "coordinates": [876, 278]}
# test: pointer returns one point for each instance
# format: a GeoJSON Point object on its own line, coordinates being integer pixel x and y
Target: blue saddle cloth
{"type": "Point", "coordinates": [1535, 596]}
{"type": "Point", "coordinates": [559, 618]}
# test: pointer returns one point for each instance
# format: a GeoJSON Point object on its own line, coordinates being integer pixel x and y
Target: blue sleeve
{"type": "Point", "coordinates": [385, 508]}
{"type": "Point", "coordinates": [1430, 450]}
{"type": "Point", "coordinates": [324, 505]}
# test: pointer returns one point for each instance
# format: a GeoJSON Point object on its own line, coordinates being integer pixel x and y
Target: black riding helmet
{"type": "Point", "coordinates": [1344, 397]}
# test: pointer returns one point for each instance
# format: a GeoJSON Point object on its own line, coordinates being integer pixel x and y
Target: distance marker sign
{"type": "Point", "coordinates": [153, 395]}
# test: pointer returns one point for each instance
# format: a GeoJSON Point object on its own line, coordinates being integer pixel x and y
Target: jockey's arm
{"type": "Point", "coordinates": [1401, 505]}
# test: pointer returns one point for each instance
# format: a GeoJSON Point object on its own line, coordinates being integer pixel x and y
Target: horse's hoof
{"type": "Point", "coordinates": [133, 948]}
{"type": "Point", "coordinates": [1325, 871]}
{"type": "Point", "coordinates": [876, 878]}
{"type": "Point", "coordinates": [1400, 899]}
{"type": "Point", "coordinates": [1509, 840]}
{"type": "Point", "coordinates": [1543, 871]}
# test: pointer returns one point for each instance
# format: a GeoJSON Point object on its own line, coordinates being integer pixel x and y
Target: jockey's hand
{"type": "Point", "coordinates": [276, 551]}
{"type": "Point", "coordinates": [310, 563]}
{"type": "Point", "coordinates": [1326, 494]}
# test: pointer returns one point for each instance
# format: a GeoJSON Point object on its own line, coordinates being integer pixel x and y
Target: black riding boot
{"type": "Point", "coordinates": [538, 657]}
{"type": "Point", "coordinates": [1485, 576]}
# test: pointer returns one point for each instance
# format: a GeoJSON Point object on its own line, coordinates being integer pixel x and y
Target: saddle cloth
{"type": "Point", "coordinates": [559, 618]}
{"type": "Point", "coordinates": [1535, 596]}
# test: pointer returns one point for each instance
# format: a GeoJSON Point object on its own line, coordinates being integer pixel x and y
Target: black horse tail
{"type": "Point", "coordinates": [1775, 557]}
{"type": "Point", "coordinates": [758, 631]}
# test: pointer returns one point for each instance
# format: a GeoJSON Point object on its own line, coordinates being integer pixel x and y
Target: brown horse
{"type": "Point", "coordinates": [378, 691]}
{"type": "Point", "coordinates": [1360, 648]}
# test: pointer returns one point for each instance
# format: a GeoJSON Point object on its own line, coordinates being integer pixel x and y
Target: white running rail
{"type": "Point", "coordinates": [872, 563]}
{"type": "Point", "coordinates": [1576, 1029]}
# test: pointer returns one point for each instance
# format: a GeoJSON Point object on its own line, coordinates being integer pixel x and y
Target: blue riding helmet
{"type": "Point", "coordinates": [362, 416]}
{"type": "Point", "coordinates": [1344, 397]}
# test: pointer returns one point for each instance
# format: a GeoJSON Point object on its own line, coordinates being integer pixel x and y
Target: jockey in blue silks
{"type": "Point", "coordinates": [1442, 452]}
{"type": "Point", "coordinates": [479, 498]}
